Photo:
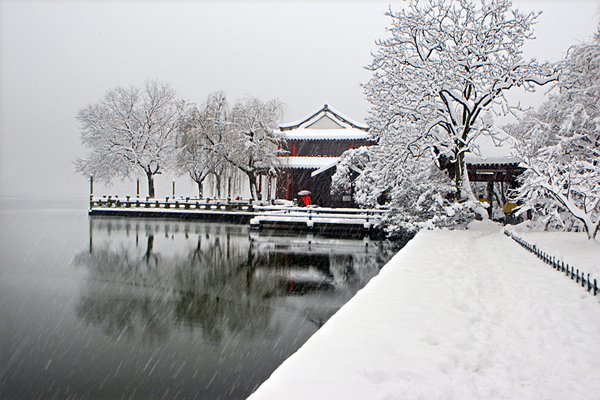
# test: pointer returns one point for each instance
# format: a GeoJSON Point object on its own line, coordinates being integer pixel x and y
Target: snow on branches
{"type": "Point", "coordinates": [131, 131]}
{"type": "Point", "coordinates": [446, 65]}
{"type": "Point", "coordinates": [561, 143]}
{"type": "Point", "coordinates": [201, 134]}
{"type": "Point", "coordinates": [217, 138]}
{"type": "Point", "coordinates": [256, 147]}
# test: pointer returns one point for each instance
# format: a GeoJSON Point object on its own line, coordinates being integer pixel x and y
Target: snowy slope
{"type": "Point", "coordinates": [454, 315]}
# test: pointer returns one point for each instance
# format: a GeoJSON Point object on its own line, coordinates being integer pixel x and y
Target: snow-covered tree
{"type": "Point", "coordinates": [215, 138]}
{"type": "Point", "coordinates": [255, 147]}
{"type": "Point", "coordinates": [436, 80]}
{"type": "Point", "coordinates": [352, 163]}
{"type": "Point", "coordinates": [201, 134]}
{"type": "Point", "coordinates": [426, 199]}
{"type": "Point", "coordinates": [131, 131]}
{"type": "Point", "coordinates": [561, 142]}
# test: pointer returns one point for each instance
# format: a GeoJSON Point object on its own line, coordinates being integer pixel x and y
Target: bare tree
{"type": "Point", "coordinates": [131, 131]}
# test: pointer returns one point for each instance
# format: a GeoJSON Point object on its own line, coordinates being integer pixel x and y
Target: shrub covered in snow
{"type": "Point", "coordinates": [426, 200]}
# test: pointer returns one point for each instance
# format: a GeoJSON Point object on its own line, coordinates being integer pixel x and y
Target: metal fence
{"type": "Point", "coordinates": [578, 276]}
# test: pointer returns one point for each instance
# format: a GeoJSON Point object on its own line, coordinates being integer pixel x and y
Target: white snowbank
{"type": "Point", "coordinates": [454, 315]}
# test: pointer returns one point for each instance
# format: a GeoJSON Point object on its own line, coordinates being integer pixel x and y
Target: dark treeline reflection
{"type": "Point", "coordinates": [226, 285]}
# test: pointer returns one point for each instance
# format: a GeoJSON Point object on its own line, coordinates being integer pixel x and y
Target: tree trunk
{"type": "Point", "coordinates": [218, 185]}
{"type": "Point", "coordinates": [490, 197]}
{"type": "Point", "coordinates": [199, 188]}
{"type": "Point", "coordinates": [252, 182]}
{"type": "Point", "coordinates": [457, 175]}
{"type": "Point", "coordinates": [150, 184]}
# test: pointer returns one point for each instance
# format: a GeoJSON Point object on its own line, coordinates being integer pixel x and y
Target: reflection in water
{"type": "Point", "coordinates": [230, 288]}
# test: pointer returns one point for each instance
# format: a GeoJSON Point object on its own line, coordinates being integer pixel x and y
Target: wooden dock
{"type": "Point", "coordinates": [260, 215]}
{"type": "Point", "coordinates": [345, 221]}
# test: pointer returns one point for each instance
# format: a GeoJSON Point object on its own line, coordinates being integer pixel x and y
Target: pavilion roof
{"type": "Point", "coordinates": [325, 124]}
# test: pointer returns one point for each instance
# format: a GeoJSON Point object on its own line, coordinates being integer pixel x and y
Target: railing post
{"type": "Point", "coordinates": [91, 191]}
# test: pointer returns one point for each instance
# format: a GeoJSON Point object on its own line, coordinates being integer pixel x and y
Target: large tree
{"type": "Point", "coordinates": [445, 67]}
{"type": "Point", "coordinates": [201, 134]}
{"type": "Point", "coordinates": [131, 131]}
{"type": "Point", "coordinates": [561, 142]}
{"type": "Point", "coordinates": [216, 138]}
{"type": "Point", "coordinates": [255, 146]}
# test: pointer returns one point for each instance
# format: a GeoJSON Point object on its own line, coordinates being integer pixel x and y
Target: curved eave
{"type": "Point", "coordinates": [324, 110]}
{"type": "Point", "coordinates": [326, 134]}
{"type": "Point", "coordinates": [308, 162]}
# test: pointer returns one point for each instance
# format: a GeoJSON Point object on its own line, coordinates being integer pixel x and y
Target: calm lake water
{"type": "Point", "coordinates": [104, 308]}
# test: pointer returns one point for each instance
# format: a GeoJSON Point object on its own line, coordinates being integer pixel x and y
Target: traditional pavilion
{"type": "Point", "coordinates": [313, 147]}
{"type": "Point", "coordinates": [492, 161]}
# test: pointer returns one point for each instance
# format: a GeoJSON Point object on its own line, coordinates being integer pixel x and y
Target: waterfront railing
{"type": "Point", "coordinates": [575, 274]}
{"type": "Point", "coordinates": [186, 203]}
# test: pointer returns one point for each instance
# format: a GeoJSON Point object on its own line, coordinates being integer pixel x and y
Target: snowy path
{"type": "Point", "coordinates": [454, 315]}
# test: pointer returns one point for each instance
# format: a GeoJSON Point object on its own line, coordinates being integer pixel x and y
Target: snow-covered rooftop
{"type": "Point", "coordinates": [325, 124]}
{"type": "Point", "coordinates": [308, 162]}
{"type": "Point", "coordinates": [324, 111]}
{"type": "Point", "coordinates": [326, 134]}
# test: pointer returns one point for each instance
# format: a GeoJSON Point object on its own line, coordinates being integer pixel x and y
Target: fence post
{"type": "Point", "coordinates": [572, 273]}
{"type": "Point", "coordinates": [595, 287]}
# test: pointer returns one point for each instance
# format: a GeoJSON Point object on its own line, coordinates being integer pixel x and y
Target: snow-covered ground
{"type": "Point", "coordinates": [455, 315]}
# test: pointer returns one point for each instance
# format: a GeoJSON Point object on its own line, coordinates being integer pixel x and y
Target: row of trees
{"type": "Point", "coordinates": [150, 131]}
{"type": "Point", "coordinates": [438, 81]}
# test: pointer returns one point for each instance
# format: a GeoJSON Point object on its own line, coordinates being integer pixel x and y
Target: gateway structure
{"type": "Point", "coordinates": [313, 147]}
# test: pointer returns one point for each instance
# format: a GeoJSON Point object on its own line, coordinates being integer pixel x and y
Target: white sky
{"type": "Point", "coordinates": [58, 56]}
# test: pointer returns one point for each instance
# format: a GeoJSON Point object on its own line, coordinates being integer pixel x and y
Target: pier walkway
{"type": "Point", "coordinates": [260, 215]}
